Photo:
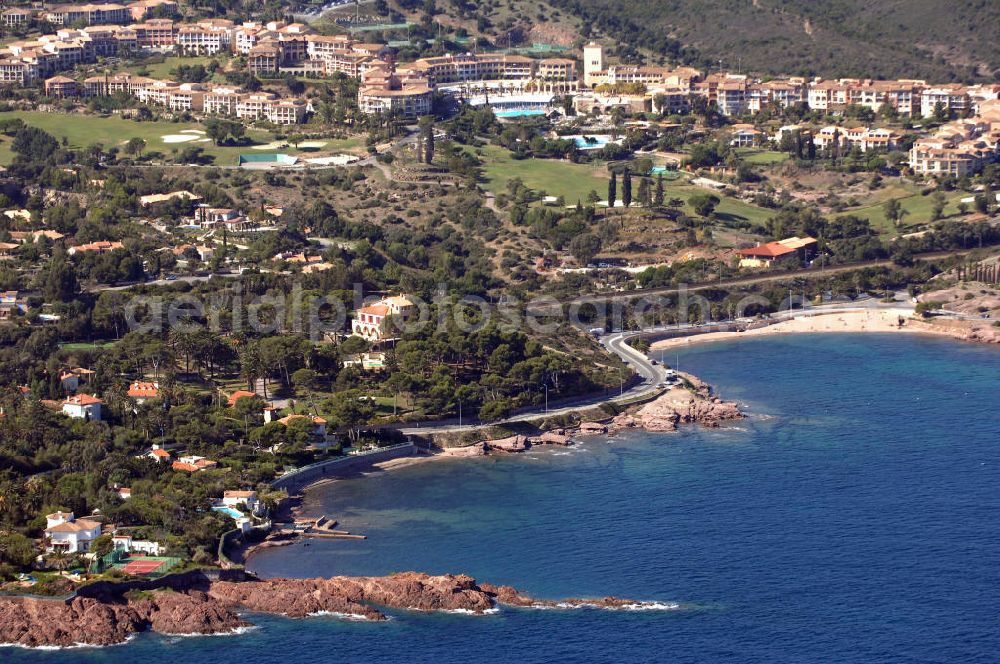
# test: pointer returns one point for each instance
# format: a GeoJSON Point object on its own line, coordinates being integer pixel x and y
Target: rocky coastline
{"type": "Point", "coordinates": [688, 401]}
{"type": "Point", "coordinates": [214, 607]}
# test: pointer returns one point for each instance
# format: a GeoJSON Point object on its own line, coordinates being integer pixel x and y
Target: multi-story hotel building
{"type": "Point", "coordinates": [88, 14]}
{"type": "Point", "coordinates": [959, 148]}
{"type": "Point", "coordinates": [402, 94]}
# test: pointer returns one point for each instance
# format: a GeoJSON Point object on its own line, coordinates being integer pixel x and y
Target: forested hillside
{"type": "Point", "coordinates": [941, 41]}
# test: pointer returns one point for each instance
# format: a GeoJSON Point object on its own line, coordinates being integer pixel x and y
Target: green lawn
{"type": "Point", "coordinates": [575, 181]}
{"type": "Point", "coordinates": [729, 208]}
{"type": "Point", "coordinates": [918, 210]}
{"type": "Point", "coordinates": [164, 69]}
{"type": "Point", "coordinates": [6, 155]}
{"type": "Point", "coordinates": [84, 130]}
{"type": "Point", "coordinates": [761, 157]}
{"type": "Point", "coordinates": [87, 345]}
{"type": "Point", "coordinates": [555, 178]}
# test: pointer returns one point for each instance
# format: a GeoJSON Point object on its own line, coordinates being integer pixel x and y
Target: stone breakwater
{"type": "Point", "coordinates": [112, 618]}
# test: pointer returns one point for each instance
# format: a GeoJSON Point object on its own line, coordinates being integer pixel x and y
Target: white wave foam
{"type": "Point", "coordinates": [236, 631]}
{"type": "Point", "coordinates": [633, 606]}
{"type": "Point", "coordinates": [76, 646]}
{"type": "Point", "coordinates": [469, 612]}
{"type": "Point", "coordinates": [340, 615]}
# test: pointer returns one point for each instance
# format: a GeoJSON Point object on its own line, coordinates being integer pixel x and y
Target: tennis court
{"type": "Point", "coordinates": [145, 565]}
{"type": "Point", "coordinates": [138, 566]}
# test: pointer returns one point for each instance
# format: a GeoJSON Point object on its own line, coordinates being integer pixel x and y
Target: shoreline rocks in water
{"type": "Point", "coordinates": [115, 616]}
{"type": "Point", "coordinates": [688, 402]}
{"type": "Point", "coordinates": [682, 404]}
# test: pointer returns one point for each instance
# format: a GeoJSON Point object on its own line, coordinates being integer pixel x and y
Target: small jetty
{"type": "Point", "coordinates": [323, 527]}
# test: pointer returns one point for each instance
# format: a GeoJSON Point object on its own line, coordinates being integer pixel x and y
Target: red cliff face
{"type": "Point", "coordinates": [83, 620]}
{"type": "Point", "coordinates": [353, 595]}
{"type": "Point", "coordinates": [114, 617]}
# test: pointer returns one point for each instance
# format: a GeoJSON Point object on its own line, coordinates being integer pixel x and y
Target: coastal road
{"type": "Point", "coordinates": [651, 374]}
{"type": "Point", "coordinates": [812, 272]}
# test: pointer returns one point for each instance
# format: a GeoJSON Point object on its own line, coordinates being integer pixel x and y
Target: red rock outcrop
{"type": "Point", "coordinates": [681, 405]}
{"type": "Point", "coordinates": [556, 437]}
{"type": "Point", "coordinates": [83, 620]}
{"type": "Point", "coordinates": [114, 617]}
{"type": "Point", "coordinates": [517, 443]}
{"type": "Point", "coordinates": [354, 595]}
{"type": "Point", "coordinates": [476, 449]}
{"type": "Point", "coordinates": [592, 428]}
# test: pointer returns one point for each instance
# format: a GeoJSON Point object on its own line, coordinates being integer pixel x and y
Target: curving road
{"type": "Point", "coordinates": [651, 373]}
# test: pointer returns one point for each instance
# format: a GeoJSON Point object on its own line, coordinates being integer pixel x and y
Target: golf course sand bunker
{"type": "Point", "coordinates": [179, 138]}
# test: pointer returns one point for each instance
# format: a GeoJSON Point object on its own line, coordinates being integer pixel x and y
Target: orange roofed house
{"type": "Point", "coordinates": [142, 391]}
{"type": "Point", "coordinates": [319, 424]}
{"type": "Point", "coordinates": [83, 406]}
{"type": "Point", "coordinates": [765, 255]}
{"type": "Point", "coordinates": [372, 323]}
{"type": "Point", "coordinates": [192, 464]}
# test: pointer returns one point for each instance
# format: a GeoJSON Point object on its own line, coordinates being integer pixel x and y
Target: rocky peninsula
{"type": "Point", "coordinates": [688, 401]}
{"type": "Point", "coordinates": [179, 607]}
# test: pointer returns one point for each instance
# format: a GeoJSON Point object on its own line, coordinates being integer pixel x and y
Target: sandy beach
{"type": "Point", "coordinates": [875, 320]}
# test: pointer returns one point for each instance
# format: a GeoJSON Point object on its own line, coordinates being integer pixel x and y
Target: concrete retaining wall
{"type": "Point", "coordinates": [197, 579]}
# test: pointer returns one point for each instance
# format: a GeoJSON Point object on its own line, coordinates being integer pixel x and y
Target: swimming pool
{"type": "Point", "coordinates": [519, 113]}
{"type": "Point", "coordinates": [229, 511]}
{"type": "Point", "coordinates": [591, 141]}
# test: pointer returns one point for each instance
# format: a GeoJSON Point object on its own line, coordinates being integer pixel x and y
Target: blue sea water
{"type": "Point", "coordinates": [852, 518]}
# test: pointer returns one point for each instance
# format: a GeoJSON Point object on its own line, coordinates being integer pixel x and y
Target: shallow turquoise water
{"type": "Point", "coordinates": [852, 518]}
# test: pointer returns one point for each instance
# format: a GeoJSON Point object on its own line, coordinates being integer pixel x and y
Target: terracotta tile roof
{"type": "Point", "coordinates": [239, 394]}
{"type": "Point", "coordinates": [288, 418]}
{"type": "Point", "coordinates": [82, 400]}
{"type": "Point", "coordinates": [769, 250]}
{"type": "Point", "coordinates": [143, 390]}
{"type": "Point", "coordinates": [74, 526]}
{"type": "Point", "coordinates": [375, 310]}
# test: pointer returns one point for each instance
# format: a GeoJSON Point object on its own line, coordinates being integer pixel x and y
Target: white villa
{"type": "Point", "coordinates": [65, 533]}
{"type": "Point", "coordinates": [236, 498]}
{"type": "Point", "coordinates": [126, 543]}
{"type": "Point", "coordinates": [83, 406]}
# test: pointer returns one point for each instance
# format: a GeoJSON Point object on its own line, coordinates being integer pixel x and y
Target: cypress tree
{"type": "Point", "coordinates": [627, 188]}
{"type": "Point", "coordinates": [644, 197]}
{"type": "Point", "coordinates": [612, 190]}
